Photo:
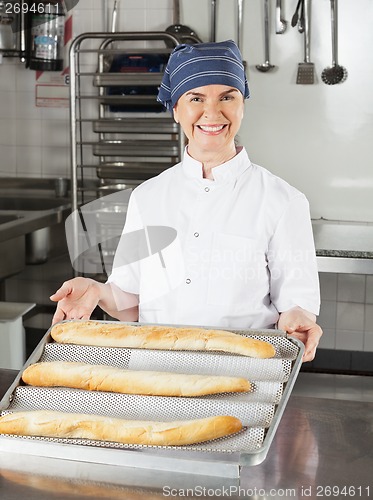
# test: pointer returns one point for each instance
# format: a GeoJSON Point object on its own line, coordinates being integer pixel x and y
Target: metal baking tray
{"type": "Point", "coordinates": [259, 410]}
{"type": "Point", "coordinates": [129, 170]}
{"type": "Point", "coordinates": [135, 125]}
{"type": "Point", "coordinates": [136, 148]}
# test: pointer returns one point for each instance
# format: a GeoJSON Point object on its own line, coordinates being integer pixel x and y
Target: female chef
{"type": "Point", "coordinates": [243, 254]}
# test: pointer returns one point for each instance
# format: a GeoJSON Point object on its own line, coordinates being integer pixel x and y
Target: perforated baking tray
{"type": "Point", "coordinates": [259, 410]}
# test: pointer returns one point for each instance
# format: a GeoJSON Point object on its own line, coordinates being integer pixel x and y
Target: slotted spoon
{"type": "Point", "coordinates": [336, 73]}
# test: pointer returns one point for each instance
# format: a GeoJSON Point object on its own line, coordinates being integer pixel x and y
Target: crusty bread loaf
{"type": "Point", "coordinates": [159, 337]}
{"type": "Point", "coordinates": [109, 378]}
{"type": "Point", "coordinates": [47, 423]}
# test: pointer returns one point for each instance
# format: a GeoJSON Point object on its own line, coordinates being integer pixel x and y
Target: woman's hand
{"type": "Point", "coordinates": [302, 324]}
{"type": "Point", "coordinates": [77, 299]}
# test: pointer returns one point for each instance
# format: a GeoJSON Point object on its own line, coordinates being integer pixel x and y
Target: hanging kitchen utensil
{"type": "Point", "coordinates": [336, 73]}
{"type": "Point", "coordinates": [306, 69]}
{"type": "Point", "coordinates": [294, 19]}
{"type": "Point", "coordinates": [114, 17]}
{"type": "Point", "coordinates": [301, 18]}
{"type": "Point", "coordinates": [182, 32]}
{"type": "Point", "coordinates": [281, 24]}
{"type": "Point", "coordinates": [266, 66]}
{"type": "Point", "coordinates": [213, 21]}
{"type": "Point", "coordinates": [239, 23]}
{"type": "Point", "coordinates": [113, 28]}
{"type": "Point", "coordinates": [298, 16]}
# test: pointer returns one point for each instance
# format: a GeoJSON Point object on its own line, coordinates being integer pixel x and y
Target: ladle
{"type": "Point", "coordinates": [336, 73]}
{"type": "Point", "coordinates": [266, 66]}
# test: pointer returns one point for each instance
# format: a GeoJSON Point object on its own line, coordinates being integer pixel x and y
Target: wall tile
{"type": "Point", "coordinates": [28, 161]}
{"type": "Point", "coordinates": [369, 318]}
{"type": "Point", "coordinates": [25, 106]}
{"type": "Point", "coordinates": [135, 21]}
{"type": "Point", "coordinates": [7, 76]}
{"type": "Point", "coordinates": [55, 114]}
{"type": "Point", "coordinates": [8, 101]}
{"type": "Point", "coordinates": [328, 314]}
{"type": "Point", "coordinates": [350, 316]}
{"type": "Point", "coordinates": [328, 286]}
{"type": "Point", "coordinates": [369, 290]}
{"type": "Point", "coordinates": [7, 131]}
{"type": "Point", "coordinates": [140, 4]}
{"type": "Point", "coordinates": [158, 19]}
{"type": "Point", "coordinates": [55, 133]}
{"type": "Point", "coordinates": [328, 339]}
{"type": "Point", "coordinates": [55, 162]}
{"type": "Point", "coordinates": [347, 340]}
{"type": "Point", "coordinates": [368, 341]}
{"type": "Point", "coordinates": [29, 133]}
{"type": "Point", "coordinates": [7, 160]}
{"type": "Point", "coordinates": [161, 4]}
{"type": "Point", "coordinates": [89, 4]}
{"type": "Point", "coordinates": [83, 20]}
{"type": "Point", "coordinates": [24, 79]}
{"type": "Point", "coordinates": [351, 288]}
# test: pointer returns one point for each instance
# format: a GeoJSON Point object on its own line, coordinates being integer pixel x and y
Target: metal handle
{"type": "Point", "coordinates": [334, 16]}
{"type": "Point", "coordinates": [213, 21]}
{"type": "Point", "coordinates": [239, 23]}
{"type": "Point", "coordinates": [176, 14]}
{"type": "Point", "coordinates": [307, 30]}
{"type": "Point", "coordinates": [114, 17]}
{"type": "Point", "coordinates": [280, 22]}
{"type": "Point", "coordinates": [266, 30]}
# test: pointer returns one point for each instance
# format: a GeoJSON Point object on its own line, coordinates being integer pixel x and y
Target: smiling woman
{"type": "Point", "coordinates": [210, 117]}
{"type": "Point", "coordinates": [244, 255]}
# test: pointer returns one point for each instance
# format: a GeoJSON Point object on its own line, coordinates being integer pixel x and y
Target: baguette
{"type": "Point", "coordinates": [110, 379]}
{"type": "Point", "coordinates": [159, 337]}
{"type": "Point", "coordinates": [46, 423]}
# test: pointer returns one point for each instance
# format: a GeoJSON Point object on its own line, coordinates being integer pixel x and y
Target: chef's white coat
{"type": "Point", "coordinates": [243, 253]}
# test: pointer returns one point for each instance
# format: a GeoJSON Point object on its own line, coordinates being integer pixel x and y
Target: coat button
{"type": "Point", "coordinates": [207, 189]}
{"type": "Point", "coordinates": [196, 235]}
{"type": "Point", "coordinates": [188, 280]}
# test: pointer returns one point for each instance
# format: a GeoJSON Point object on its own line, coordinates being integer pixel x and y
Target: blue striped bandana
{"type": "Point", "coordinates": [192, 66]}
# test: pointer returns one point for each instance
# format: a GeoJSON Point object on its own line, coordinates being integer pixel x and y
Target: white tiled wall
{"type": "Point", "coordinates": [346, 314]}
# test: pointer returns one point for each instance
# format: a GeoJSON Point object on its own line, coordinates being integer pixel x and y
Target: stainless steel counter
{"type": "Point", "coordinates": [28, 207]}
{"type": "Point", "coordinates": [322, 448]}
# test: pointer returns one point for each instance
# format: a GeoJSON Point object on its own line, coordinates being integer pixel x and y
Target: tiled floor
{"type": "Point", "coordinates": [322, 385]}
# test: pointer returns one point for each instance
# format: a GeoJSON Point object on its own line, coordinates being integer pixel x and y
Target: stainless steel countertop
{"type": "Point", "coordinates": [320, 444]}
{"type": "Point", "coordinates": [27, 221]}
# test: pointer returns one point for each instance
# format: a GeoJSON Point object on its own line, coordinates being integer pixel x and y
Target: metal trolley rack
{"type": "Point", "coordinates": [120, 134]}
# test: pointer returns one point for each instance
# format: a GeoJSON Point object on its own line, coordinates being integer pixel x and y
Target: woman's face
{"type": "Point", "coordinates": [210, 117]}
